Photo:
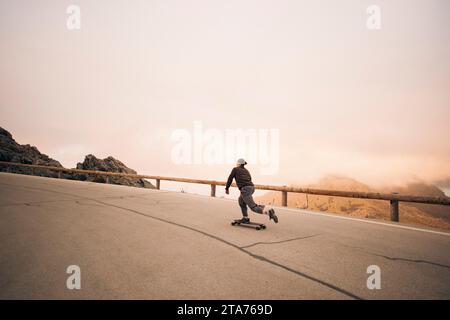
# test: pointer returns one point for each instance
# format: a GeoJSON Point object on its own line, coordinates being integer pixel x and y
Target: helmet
{"type": "Point", "coordinates": [241, 161]}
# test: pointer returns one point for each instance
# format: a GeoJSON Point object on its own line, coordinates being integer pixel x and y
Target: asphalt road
{"type": "Point", "coordinates": [133, 243]}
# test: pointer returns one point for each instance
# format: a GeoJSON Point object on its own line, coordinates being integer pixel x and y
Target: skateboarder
{"type": "Point", "coordinates": [245, 185]}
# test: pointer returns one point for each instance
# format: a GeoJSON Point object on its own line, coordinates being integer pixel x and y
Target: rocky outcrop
{"type": "Point", "coordinates": [11, 151]}
{"type": "Point", "coordinates": [109, 164]}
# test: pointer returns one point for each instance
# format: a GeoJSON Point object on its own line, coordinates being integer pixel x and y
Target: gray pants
{"type": "Point", "coordinates": [246, 199]}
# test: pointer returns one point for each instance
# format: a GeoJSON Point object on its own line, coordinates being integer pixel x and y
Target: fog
{"type": "Point", "coordinates": [369, 104]}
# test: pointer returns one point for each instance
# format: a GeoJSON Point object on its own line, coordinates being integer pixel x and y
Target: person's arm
{"type": "Point", "coordinates": [230, 180]}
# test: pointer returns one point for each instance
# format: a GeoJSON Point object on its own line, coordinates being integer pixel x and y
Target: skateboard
{"type": "Point", "coordinates": [255, 225]}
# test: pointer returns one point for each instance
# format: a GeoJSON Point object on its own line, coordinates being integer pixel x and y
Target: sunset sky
{"type": "Point", "coordinates": [370, 104]}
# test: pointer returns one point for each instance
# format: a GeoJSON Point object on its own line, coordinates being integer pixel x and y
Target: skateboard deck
{"type": "Point", "coordinates": [254, 225]}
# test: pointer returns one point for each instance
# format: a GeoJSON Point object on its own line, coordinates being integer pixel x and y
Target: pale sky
{"type": "Point", "coordinates": [370, 104]}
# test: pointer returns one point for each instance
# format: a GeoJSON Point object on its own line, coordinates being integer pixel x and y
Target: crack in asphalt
{"type": "Point", "coordinates": [242, 249]}
{"type": "Point", "coordinates": [281, 241]}
{"type": "Point", "coordinates": [412, 260]}
{"type": "Point", "coordinates": [363, 250]}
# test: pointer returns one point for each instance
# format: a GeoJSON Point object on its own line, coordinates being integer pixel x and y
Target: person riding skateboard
{"type": "Point", "coordinates": [246, 187]}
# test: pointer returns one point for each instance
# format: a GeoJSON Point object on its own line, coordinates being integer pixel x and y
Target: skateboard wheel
{"type": "Point", "coordinates": [258, 228]}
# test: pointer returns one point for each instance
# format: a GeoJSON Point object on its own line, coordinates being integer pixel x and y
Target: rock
{"type": "Point", "coordinates": [11, 151]}
{"type": "Point", "coordinates": [109, 164]}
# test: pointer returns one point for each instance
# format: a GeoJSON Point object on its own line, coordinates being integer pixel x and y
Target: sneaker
{"type": "Point", "coordinates": [267, 209]}
{"type": "Point", "coordinates": [273, 216]}
{"type": "Point", "coordinates": [245, 220]}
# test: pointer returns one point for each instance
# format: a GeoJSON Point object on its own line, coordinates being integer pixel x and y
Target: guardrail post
{"type": "Point", "coordinates": [284, 198]}
{"type": "Point", "coordinates": [107, 179]}
{"type": "Point", "coordinates": [213, 190]}
{"type": "Point", "coordinates": [59, 174]}
{"type": "Point", "coordinates": [394, 210]}
{"type": "Point", "coordinates": [158, 184]}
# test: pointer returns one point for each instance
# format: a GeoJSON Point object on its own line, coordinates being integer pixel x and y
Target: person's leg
{"type": "Point", "coordinates": [246, 194]}
{"type": "Point", "coordinates": [243, 206]}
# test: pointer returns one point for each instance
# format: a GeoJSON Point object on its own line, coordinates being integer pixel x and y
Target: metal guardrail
{"type": "Point", "coordinates": [393, 198]}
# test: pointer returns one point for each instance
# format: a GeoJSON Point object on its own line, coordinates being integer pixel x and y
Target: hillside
{"type": "Point", "coordinates": [418, 214]}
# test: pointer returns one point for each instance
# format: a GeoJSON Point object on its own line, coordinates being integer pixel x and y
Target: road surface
{"type": "Point", "coordinates": [133, 243]}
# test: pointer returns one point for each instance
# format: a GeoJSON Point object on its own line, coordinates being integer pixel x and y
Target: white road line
{"type": "Point", "coordinates": [364, 220]}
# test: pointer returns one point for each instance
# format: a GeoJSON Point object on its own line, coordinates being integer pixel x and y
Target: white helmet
{"type": "Point", "coordinates": [241, 161]}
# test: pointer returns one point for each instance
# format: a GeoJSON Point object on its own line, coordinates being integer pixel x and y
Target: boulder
{"type": "Point", "coordinates": [109, 164]}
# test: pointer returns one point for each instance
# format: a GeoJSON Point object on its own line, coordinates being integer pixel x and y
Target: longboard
{"type": "Point", "coordinates": [254, 225]}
